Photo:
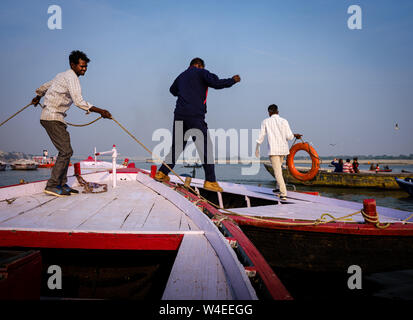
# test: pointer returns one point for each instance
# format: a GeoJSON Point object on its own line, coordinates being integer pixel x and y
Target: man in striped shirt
{"type": "Point", "coordinates": [278, 131]}
{"type": "Point", "coordinates": [59, 94]}
{"type": "Point", "coordinates": [347, 167]}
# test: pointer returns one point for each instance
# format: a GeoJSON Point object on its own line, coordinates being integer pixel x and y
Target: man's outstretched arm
{"type": "Point", "coordinates": [213, 81]}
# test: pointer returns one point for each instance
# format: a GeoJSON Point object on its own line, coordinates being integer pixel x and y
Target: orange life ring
{"type": "Point", "coordinates": [315, 165]}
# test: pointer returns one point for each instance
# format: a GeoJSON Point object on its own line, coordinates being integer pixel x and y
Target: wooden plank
{"type": "Point", "coordinates": [200, 278]}
{"type": "Point", "coordinates": [137, 217]}
{"type": "Point", "coordinates": [35, 216]}
{"type": "Point", "coordinates": [22, 205]}
{"type": "Point", "coordinates": [163, 216]}
{"type": "Point", "coordinates": [115, 214]}
{"type": "Point", "coordinates": [81, 208]}
{"type": "Point", "coordinates": [239, 282]}
{"type": "Point", "coordinates": [187, 224]}
{"type": "Point", "coordinates": [304, 211]}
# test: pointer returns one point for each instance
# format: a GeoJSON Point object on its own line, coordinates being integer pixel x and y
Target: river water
{"type": "Point", "coordinates": [397, 199]}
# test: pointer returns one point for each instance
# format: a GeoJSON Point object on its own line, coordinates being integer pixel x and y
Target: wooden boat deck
{"type": "Point", "coordinates": [300, 206]}
{"type": "Point", "coordinates": [129, 207]}
{"type": "Point", "coordinates": [299, 210]}
{"type": "Point", "coordinates": [206, 267]}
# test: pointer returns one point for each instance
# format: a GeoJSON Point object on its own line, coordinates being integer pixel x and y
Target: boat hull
{"type": "Point", "coordinates": [331, 252]}
{"type": "Point", "coordinates": [348, 180]}
{"type": "Point", "coordinates": [23, 167]}
{"type": "Point", "coordinates": [405, 185]}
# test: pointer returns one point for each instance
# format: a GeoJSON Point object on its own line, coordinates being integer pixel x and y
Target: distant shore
{"type": "Point", "coordinates": [308, 161]}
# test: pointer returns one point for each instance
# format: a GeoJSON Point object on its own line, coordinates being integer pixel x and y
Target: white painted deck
{"type": "Point", "coordinates": [299, 205]}
{"type": "Point", "coordinates": [129, 207]}
{"type": "Point", "coordinates": [202, 277]}
{"type": "Point", "coordinates": [301, 211]}
{"type": "Point", "coordinates": [206, 267]}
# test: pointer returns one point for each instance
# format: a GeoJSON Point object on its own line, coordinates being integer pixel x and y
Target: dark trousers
{"type": "Point", "coordinates": [197, 128]}
{"type": "Point", "coordinates": [61, 140]}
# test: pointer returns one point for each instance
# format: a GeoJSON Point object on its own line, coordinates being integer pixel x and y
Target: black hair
{"type": "Point", "coordinates": [75, 55]}
{"type": "Point", "coordinates": [195, 61]}
{"type": "Point", "coordinates": [273, 108]}
{"type": "Point", "coordinates": [347, 160]}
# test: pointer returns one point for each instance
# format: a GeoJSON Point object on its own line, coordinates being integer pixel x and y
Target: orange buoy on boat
{"type": "Point", "coordinates": [315, 162]}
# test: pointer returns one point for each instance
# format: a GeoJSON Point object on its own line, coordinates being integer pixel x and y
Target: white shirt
{"type": "Point", "coordinates": [279, 132]}
{"type": "Point", "coordinates": [59, 94]}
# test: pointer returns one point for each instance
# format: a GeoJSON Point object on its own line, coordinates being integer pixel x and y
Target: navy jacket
{"type": "Point", "coordinates": [191, 88]}
{"type": "Point", "coordinates": [339, 167]}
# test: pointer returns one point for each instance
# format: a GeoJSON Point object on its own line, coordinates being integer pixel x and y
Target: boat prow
{"type": "Point", "coordinates": [363, 179]}
{"type": "Point", "coordinates": [174, 243]}
{"type": "Point", "coordinates": [406, 184]}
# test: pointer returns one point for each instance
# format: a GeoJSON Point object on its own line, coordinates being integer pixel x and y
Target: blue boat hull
{"type": "Point", "coordinates": [406, 184]}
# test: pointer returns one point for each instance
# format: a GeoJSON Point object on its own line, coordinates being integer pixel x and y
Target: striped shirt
{"type": "Point", "coordinates": [279, 132]}
{"type": "Point", "coordinates": [348, 168]}
{"type": "Point", "coordinates": [59, 94]}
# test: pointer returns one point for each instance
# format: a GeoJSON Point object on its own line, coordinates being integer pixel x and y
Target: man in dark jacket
{"type": "Point", "coordinates": [191, 88]}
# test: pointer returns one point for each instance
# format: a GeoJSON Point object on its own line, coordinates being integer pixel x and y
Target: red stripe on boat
{"type": "Point", "coordinates": [88, 240]}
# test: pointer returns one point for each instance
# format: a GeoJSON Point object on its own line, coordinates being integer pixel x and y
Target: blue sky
{"type": "Point", "coordinates": [343, 89]}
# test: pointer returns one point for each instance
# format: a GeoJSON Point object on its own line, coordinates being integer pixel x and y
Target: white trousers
{"type": "Point", "coordinates": [276, 162]}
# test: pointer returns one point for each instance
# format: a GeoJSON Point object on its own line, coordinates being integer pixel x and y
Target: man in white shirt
{"type": "Point", "coordinates": [278, 131]}
{"type": "Point", "coordinates": [59, 94]}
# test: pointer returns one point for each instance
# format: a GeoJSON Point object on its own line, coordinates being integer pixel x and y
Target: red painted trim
{"type": "Point", "coordinates": [313, 193]}
{"type": "Point", "coordinates": [269, 278]}
{"type": "Point", "coordinates": [395, 229]}
{"type": "Point", "coordinates": [86, 240]}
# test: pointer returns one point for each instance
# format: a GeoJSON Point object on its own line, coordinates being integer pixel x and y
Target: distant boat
{"type": "Point", "coordinates": [24, 164]}
{"type": "Point", "coordinates": [406, 184]}
{"type": "Point", "coordinates": [2, 166]}
{"type": "Point", "coordinates": [382, 170]}
{"type": "Point", "coordinates": [193, 165]}
{"type": "Point", "coordinates": [363, 179]}
{"type": "Point", "coordinates": [44, 162]}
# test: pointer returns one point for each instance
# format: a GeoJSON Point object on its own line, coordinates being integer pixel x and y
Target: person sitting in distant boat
{"type": "Point", "coordinates": [279, 132]}
{"type": "Point", "coordinates": [377, 168]}
{"type": "Point", "coordinates": [59, 94]}
{"type": "Point", "coordinates": [356, 165]}
{"type": "Point", "coordinates": [338, 165]}
{"type": "Point", "coordinates": [347, 167]}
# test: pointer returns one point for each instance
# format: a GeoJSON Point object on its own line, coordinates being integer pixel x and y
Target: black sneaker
{"type": "Point", "coordinates": [69, 189]}
{"type": "Point", "coordinates": [58, 192]}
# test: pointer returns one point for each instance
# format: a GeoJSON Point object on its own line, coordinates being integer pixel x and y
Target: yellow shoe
{"type": "Point", "coordinates": [212, 186]}
{"type": "Point", "coordinates": [161, 177]}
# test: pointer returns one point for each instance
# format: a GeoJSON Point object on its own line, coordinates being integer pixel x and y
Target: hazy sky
{"type": "Point", "coordinates": [343, 89]}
